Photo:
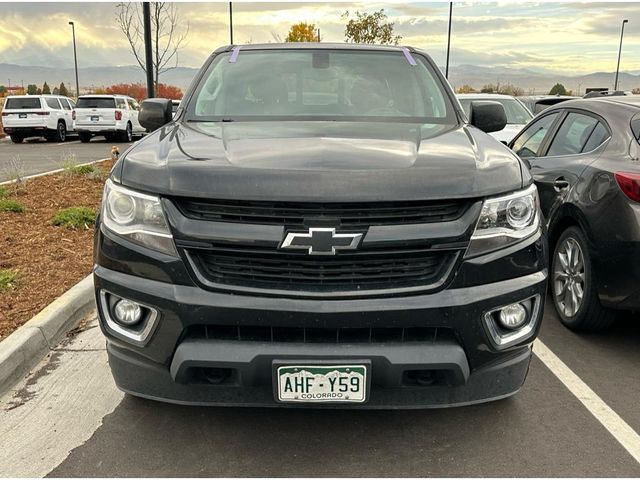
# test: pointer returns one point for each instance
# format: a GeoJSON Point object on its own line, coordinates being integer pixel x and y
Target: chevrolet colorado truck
{"type": "Point", "coordinates": [320, 225]}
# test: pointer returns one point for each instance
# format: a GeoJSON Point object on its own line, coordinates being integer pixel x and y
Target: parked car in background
{"type": "Point", "coordinates": [320, 225]}
{"type": "Point", "coordinates": [584, 156]}
{"type": "Point", "coordinates": [48, 116]}
{"type": "Point", "coordinates": [607, 93]}
{"type": "Point", "coordinates": [113, 116]}
{"type": "Point", "coordinates": [517, 113]}
{"type": "Point", "coordinates": [537, 103]}
{"type": "Point", "coordinates": [175, 104]}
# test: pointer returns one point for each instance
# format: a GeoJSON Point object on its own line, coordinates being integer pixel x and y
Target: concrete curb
{"type": "Point", "coordinates": [51, 172]}
{"type": "Point", "coordinates": [24, 348]}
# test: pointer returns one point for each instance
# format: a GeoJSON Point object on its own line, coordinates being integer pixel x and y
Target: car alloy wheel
{"type": "Point", "coordinates": [569, 277]}
{"type": "Point", "coordinates": [62, 132]}
{"type": "Point", "coordinates": [129, 133]}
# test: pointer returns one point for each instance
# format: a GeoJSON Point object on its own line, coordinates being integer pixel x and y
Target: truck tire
{"type": "Point", "coordinates": [127, 135]}
{"type": "Point", "coordinates": [16, 138]}
{"type": "Point", "coordinates": [61, 132]}
{"type": "Point", "coordinates": [573, 285]}
{"type": "Point", "coordinates": [85, 137]}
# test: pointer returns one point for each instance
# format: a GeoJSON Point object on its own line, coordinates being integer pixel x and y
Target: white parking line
{"type": "Point", "coordinates": [620, 429]}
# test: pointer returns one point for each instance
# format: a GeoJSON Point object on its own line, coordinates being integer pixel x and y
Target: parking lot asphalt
{"type": "Point", "coordinates": [38, 156]}
{"type": "Point", "coordinates": [70, 420]}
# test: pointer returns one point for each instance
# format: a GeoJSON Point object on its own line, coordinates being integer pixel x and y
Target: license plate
{"type": "Point", "coordinates": [322, 383]}
{"type": "Point", "coordinates": [22, 115]}
{"type": "Point", "coordinates": [95, 119]}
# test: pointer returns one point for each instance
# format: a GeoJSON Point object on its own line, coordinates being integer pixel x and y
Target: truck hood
{"type": "Point", "coordinates": [320, 161]}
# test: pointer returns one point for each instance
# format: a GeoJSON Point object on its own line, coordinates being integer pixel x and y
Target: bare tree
{"type": "Point", "coordinates": [166, 40]}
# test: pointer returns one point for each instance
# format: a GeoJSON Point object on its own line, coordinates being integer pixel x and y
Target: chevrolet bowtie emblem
{"type": "Point", "coordinates": [321, 241]}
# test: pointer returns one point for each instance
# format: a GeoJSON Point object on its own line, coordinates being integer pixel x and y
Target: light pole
{"type": "Point", "coordinates": [615, 85]}
{"type": "Point", "coordinates": [148, 48]}
{"type": "Point", "coordinates": [231, 23]}
{"type": "Point", "coordinates": [75, 57]}
{"type": "Point", "coordinates": [446, 68]}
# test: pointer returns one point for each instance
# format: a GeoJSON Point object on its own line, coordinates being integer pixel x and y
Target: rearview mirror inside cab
{"type": "Point", "coordinates": [487, 116]}
{"type": "Point", "coordinates": [154, 113]}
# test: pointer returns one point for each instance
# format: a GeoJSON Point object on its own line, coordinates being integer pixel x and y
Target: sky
{"type": "Point", "coordinates": [567, 38]}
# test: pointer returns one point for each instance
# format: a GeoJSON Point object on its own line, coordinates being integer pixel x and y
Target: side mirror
{"type": "Point", "coordinates": [154, 113]}
{"type": "Point", "coordinates": [488, 116]}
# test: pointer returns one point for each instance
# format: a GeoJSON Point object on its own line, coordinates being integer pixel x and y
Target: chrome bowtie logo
{"type": "Point", "coordinates": [321, 241]}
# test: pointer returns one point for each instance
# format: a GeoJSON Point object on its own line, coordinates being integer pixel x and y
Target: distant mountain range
{"type": "Point", "coordinates": [476, 76]}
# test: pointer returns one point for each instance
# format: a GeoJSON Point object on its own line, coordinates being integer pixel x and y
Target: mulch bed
{"type": "Point", "coordinates": [48, 260]}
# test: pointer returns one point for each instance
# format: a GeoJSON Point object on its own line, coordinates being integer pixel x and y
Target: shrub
{"type": "Point", "coordinates": [7, 279]}
{"type": "Point", "coordinates": [96, 175]}
{"type": "Point", "coordinates": [3, 192]}
{"type": "Point", "coordinates": [75, 217]}
{"type": "Point", "coordinates": [8, 205]}
{"type": "Point", "coordinates": [82, 170]}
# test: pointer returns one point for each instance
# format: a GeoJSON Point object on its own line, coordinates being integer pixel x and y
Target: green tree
{"type": "Point", "coordinates": [302, 32]}
{"type": "Point", "coordinates": [45, 89]}
{"type": "Point", "coordinates": [370, 28]}
{"type": "Point", "coordinates": [39, 91]}
{"type": "Point", "coordinates": [62, 90]}
{"type": "Point", "coordinates": [3, 89]}
{"type": "Point", "coordinates": [558, 89]}
{"type": "Point", "coordinates": [56, 91]}
{"type": "Point", "coordinates": [32, 89]}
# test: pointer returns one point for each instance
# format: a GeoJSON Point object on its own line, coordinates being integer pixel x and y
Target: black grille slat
{"type": "Point", "coordinates": [276, 269]}
{"type": "Point", "coordinates": [331, 335]}
{"type": "Point", "coordinates": [298, 214]}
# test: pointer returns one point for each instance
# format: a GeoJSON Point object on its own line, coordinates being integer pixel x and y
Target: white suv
{"type": "Point", "coordinates": [113, 116]}
{"type": "Point", "coordinates": [48, 116]}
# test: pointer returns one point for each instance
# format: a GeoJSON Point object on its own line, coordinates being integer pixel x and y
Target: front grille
{"type": "Point", "coordinates": [342, 214]}
{"type": "Point", "coordinates": [318, 335]}
{"type": "Point", "coordinates": [269, 268]}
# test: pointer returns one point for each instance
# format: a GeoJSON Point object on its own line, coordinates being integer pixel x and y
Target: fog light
{"type": "Point", "coordinates": [513, 316]}
{"type": "Point", "coordinates": [127, 312]}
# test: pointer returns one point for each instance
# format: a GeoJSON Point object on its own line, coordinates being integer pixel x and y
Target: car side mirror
{"type": "Point", "coordinates": [488, 116]}
{"type": "Point", "coordinates": [155, 113]}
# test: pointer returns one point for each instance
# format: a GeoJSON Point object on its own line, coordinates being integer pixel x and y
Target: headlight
{"type": "Point", "coordinates": [136, 217]}
{"type": "Point", "coordinates": [505, 220]}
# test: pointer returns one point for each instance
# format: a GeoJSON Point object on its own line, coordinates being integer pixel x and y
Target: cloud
{"type": "Point", "coordinates": [562, 37]}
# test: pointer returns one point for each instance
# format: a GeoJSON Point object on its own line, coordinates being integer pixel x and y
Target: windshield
{"type": "Point", "coordinates": [96, 102]}
{"type": "Point", "coordinates": [517, 114]}
{"type": "Point", "coordinates": [350, 85]}
{"type": "Point", "coordinates": [22, 103]}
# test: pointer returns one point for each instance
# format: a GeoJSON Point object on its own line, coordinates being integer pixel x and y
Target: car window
{"type": "Point", "coordinates": [132, 104]}
{"type": "Point", "coordinates": [22, 103]}
{"type": "Point", "coordinates": [53, 103]}
{"type": "Point", "coordinates": [597, 138]}
{"type": "Point", "coordinates": [529, 142]}
{"type": "Point", "coordinates": [572, 135]}
{"type": "Point", "coordinates": [120, 103]}
{"type": "Point", "coordinates": [95, 102]}
{"type": "Point", "coordinates": [65, 104]}
{"type": "Point", "coordinates": [353, 85]}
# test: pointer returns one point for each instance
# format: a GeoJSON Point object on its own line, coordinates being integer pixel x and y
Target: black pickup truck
{"type": "Point", "coordinates": [320, 225]}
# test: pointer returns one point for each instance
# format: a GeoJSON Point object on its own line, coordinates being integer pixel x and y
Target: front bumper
{"type": "Point", "coordinates": [140, 377]}
{"type": "Point", "coordinates": [475, 370]}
